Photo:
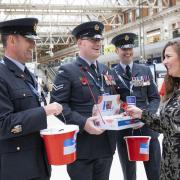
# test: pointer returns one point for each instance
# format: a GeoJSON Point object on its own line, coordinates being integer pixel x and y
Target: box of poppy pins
{"type": "Point", "coordinates": [111, 114]}
{"type": "Point", "coordinates": [118, 122]}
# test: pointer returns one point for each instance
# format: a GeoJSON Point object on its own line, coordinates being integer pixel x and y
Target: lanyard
{"type": "Point", "coordinates": [34, 90]}
{"type": "Point", "coordinates": [122, 80]}
{"type": "Point", "coordinates": [41, 99]}
{"type": "Point", "coordinates": [91, 92]}
{"type": "Point", "coordinates": [101, 87]}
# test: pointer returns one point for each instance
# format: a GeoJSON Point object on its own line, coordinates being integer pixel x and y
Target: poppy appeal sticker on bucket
{"type": "Point", "coordinates": [144, 148]}
{"type": "Point", "coordinates": [70, 145]}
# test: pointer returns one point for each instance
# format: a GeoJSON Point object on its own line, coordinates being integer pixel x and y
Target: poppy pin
{"type": "Point", "coordinates": [124, 106]}
{"type": "Point", "coordinates": [83, 80]}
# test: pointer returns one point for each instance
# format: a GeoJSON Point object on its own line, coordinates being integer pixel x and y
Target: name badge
{"type": "Point", "coordinates": [131, 100]}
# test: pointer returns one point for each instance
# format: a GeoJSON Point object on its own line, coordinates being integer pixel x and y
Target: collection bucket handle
{"type": "Point", "coordinates": [135, 130]}
{"type": "Point", "coordinates": [64, 118]}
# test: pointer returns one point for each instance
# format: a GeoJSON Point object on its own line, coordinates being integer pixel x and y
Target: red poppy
{"type": "Point", "coordinates": [124, 106]}
{"type": "Point", "coordinates": [83, 80]}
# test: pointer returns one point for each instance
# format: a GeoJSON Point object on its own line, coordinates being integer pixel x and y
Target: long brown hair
{"type": "Point", "coordinates": [171, 83]}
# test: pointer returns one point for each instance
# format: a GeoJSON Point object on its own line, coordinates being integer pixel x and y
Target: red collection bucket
{"type": "Point", "coordinates": [60, 144]}
{"type": "Point", "coordinates": [138, 147]}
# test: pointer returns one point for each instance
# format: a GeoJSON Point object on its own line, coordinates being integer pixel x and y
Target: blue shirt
{"type": "Point", "coordinates": [17, 63]}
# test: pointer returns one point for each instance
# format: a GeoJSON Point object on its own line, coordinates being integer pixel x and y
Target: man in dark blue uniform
{"type": "Point", "coordinates": [136, 80]}
{"type": "Point", "coordinates": [22, 152]}
{"type": "Point", "coordinates": [77, 86]}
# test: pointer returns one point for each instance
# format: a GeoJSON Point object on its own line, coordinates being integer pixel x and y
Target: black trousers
{"type": "Point", "coordinates": [95, 169]}
{"type": "Point", "coordinates": [152, 167]}
{"type": "Point", "coordinates": [42, 178]}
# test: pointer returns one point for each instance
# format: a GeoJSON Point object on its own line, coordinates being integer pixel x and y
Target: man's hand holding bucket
{"type": "Point", "coordinates": [53, 109]}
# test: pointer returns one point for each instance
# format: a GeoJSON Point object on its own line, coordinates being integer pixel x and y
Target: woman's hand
{"type": "Point", "coordinates": [134, 111]}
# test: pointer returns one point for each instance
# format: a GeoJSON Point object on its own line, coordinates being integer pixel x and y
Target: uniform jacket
{"type": "Point", "coordinates": [74, 94]}
{"type": "Point", "coordinates": [22, 154]}
{"type": "Point", "coordinates": [147, 97]}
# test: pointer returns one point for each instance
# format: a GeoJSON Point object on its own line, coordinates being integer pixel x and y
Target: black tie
{"type": "Point", "coordinates": [128, 71]}
{"type": "Point", "coordinates": [28, 76]}
{"type": "Point", "coordinates": [93, 67]}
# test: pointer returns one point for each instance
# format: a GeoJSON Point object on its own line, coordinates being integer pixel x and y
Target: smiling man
{"type": "Point", "coordinates": [77, 87]}
{"type": "Point", "coordinates": [22, 152]}
{"type": "Point", "coordinates": [136, 80]}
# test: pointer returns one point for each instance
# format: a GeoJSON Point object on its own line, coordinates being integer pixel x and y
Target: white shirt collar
{"type": "Point", "coordinates": [88, 61]}
{"type": "Point", "coordinates": [124, 65]}
{"type": "Point", "coordinates": [17, 63]}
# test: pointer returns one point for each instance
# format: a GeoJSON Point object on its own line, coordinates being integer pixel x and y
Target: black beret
{"type": "Point", "coordinates": [92, 29]}
{"type": "Point", "coordinates": [23, 26]}
{"type": "Point", "coordinates": [125, 40]}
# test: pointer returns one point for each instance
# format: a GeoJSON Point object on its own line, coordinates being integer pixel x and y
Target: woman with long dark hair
{"type": "Point", "coordinates": [168, 122]}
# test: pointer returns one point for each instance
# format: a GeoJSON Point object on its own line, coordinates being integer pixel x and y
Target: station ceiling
{"type": "Point", "coordinates": [58, 18]}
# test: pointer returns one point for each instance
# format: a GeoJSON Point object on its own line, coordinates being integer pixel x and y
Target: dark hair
{"type": "Point", "coordinates": [171, 83]}
{"type": "Point", "coordinates": [4, 39]}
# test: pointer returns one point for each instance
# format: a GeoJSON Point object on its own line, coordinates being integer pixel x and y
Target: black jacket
{"type": "Point", "coordinates": [147, 96]}
{"type": "Point", "coordinates": [22, 154]}
{"type": "Point", "coordinates": [70, 90]}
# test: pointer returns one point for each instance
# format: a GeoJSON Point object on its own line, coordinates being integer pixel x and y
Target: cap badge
{"type": "Point", "coordinates": [35, 27]}
{"type": "Point", "coordinates": [96, 27]}
{"type": "Point", "coordinates": [126, 38]}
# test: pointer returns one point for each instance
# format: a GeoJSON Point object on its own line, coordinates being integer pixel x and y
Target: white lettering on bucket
{"type": "Point", "coordinates": [69, 146]}
{"type": "Point", "coordinates": [144, 148]}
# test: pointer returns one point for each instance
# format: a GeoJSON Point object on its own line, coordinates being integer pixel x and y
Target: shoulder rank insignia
{"type": "Point", "coordinates": [58, 87]}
